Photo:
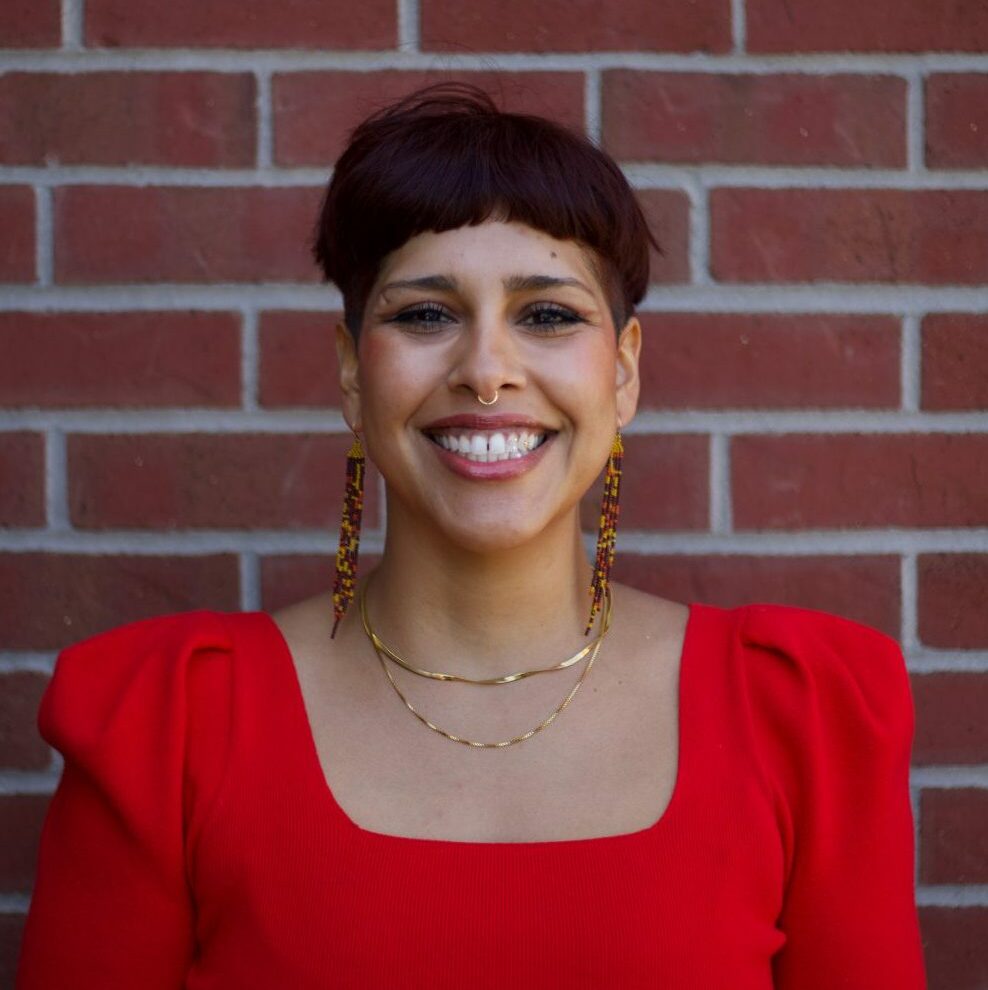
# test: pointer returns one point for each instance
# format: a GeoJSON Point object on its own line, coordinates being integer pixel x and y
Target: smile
{"type": "Point", "coordinates": [483, 448]}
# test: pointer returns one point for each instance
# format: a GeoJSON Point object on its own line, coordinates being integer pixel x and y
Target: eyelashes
{"type": "Point", "coordinates": [541, 317]}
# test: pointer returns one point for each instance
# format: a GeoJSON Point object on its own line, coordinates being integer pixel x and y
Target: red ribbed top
{"type": "Point", "coordinates": [193, 841]}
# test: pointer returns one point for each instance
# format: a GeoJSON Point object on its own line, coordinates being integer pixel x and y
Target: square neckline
{"type": "Point", "coordinates": [313, 766]}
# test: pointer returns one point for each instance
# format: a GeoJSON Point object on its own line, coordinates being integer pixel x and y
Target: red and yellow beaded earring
{"type": "Point", "coordinates": [607, 533]}
{"type": "Point", "coordinates": [349, 549]}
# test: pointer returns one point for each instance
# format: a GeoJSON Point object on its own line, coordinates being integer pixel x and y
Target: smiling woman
{"type": "Point", "coordinates": [415, 792]}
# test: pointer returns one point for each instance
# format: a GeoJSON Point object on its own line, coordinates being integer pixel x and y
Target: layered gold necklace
{"type": "Point", "coordinates": [384, 653]}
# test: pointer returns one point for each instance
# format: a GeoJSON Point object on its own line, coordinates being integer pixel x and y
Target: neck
{"type": "Point", "coordinates": [480, 614]}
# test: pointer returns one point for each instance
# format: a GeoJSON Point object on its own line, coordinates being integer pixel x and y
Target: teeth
{"type": "Point", "coordinates": [486, 447]}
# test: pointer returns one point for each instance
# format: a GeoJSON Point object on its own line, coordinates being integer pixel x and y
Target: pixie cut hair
{"type": "Point", "coordinates": [445, 157]}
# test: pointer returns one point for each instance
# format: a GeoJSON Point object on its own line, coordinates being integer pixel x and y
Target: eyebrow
{"type": "Point", "coordinates": [513, 283]}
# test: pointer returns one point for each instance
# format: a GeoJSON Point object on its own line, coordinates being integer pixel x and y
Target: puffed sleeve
{"type": "Point", "coordinates": [834, 723]}
{"type": "Point", "coordinates": [112, 906]}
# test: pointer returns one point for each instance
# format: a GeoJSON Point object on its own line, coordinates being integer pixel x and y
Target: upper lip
{"type": "Point", "coordinates": [473, 421]}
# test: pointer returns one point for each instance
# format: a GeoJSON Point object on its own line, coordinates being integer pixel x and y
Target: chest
{"type": "Point", "coordinates": [605, 765]}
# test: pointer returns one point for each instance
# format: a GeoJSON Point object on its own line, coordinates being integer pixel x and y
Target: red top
{"type": "Point", "coordinates": [193, 842]}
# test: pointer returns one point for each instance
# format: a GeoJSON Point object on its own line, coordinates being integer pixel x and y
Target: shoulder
{"type": "Point", "coordinates": [132, 672]}
{"type": "Point", "coordinates": [810, 650]}
{"type": "Point", "coordinates": [822, 691]}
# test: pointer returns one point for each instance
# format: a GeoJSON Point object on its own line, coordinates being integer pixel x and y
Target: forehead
{"type": "Point", "coordinates": [493, 249]}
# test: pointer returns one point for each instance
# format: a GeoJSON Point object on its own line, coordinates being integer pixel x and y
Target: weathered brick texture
{"type": "Point", "coordinates": [937, 237]}
{"type": "Point", "coordinates": [21, 748]}
{"type": "Point", "coordinates": [20, 825]}
{"type": "Point", "coordinates": [17, 258]}
{"type": "Point", "coordinates": [183, 481]}
{"type": "Point", "coordinates": [583, 25]}
{"type": "Point", "coordinates": [957, 120]}
{"type": "Point", "coordinates": [862, 587]}
{"type": "Point", "coordinates": [119, 359]}
{"type": "Point", "coordinates": [314, 111]}
{"type": "Point", "coordinates": [953, 946]}
{"type": "Point", "coordinates": [315, 24]}
{"type": "Point", "coordinates": [882, 26]}
{"type": "Point", "coordinates": [668, 489]}
{"type": "Point", "coordinates": [952, 589]}
{"type": "Point", "coordinates": [819, 482]}
{"type": "Point", "coordinates": [785, 119]}
{"type": "Point", "coordinates": [54, 599]}
{"type": "Point", "coordinates": [769, 361]}
{"type": "Point", "coordinates": [174, 118]}
{"type": "Point", "coordinates": [954, 826]}
{"type": "Point", "coordinates": [955, 361]}
{"type": "Point", "coordinates": [951, 727]}
{"type": "Point", "coordinates": [298, 359]}
{"type": "Point", "coordinates": [179, 234]}
{"type": "Point", "coordinates": [22, 479]}
{"type": "Point", "coordinates": [30, 23]}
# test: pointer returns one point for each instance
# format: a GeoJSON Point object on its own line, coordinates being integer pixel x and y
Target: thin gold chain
{"type": "Point", "coordinates": [381, 647]}
{"type": "Point", "coordinates": [382, 655]}
{"type": "Point", "coordinates": [505, 742]}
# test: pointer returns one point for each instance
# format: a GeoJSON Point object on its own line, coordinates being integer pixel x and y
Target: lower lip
{"type": "Point", "coordinates": [491, 470]}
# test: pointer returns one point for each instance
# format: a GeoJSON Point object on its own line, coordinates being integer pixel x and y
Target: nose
{"type": "Point", "coordinates": [487, 358]}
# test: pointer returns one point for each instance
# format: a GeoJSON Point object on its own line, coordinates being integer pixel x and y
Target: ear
{"type": "Point", "coordinates": [627, 380]}
{"type": "Point", "coordinates": [346, 356]}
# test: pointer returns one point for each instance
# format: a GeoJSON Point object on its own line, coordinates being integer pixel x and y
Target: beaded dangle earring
{"type": "Point", "coordinates": [607, 533]}
{"type": "Point", "coordinates": [346, 555]}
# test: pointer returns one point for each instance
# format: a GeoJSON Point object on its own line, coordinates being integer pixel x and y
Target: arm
{"type": "Point", "coordinates": [112, 907]}
{"type": "Point", "coordinates": [849, 911]}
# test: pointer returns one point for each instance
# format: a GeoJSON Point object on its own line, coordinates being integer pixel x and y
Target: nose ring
{"type": "Point", "coordinates": [487, 402]}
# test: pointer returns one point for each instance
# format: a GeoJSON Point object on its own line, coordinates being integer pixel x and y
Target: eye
{"type": "Point", "coordinates": [547, 317]}
{"type": "Point", "coordinates": [424, 315]}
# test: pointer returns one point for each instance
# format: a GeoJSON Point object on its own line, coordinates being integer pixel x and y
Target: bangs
{"type": "Point", "coordinates": [462, 163]}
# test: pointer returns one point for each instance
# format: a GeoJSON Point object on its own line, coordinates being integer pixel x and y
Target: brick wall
{"type": "Point", "coordinates": [814, 425]}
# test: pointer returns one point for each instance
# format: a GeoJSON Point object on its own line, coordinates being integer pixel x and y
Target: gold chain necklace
{"type": "Point", "coordinates": [505, 742]}
{"type": "Point", "coordinates": [381, 647]}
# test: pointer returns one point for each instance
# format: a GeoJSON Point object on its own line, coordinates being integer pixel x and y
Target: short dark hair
{"type": "Point", "coordinates": [444, 157]}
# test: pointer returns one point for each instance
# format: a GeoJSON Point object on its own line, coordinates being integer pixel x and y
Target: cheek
{"type": "Point", "coordinates": [393, 376]}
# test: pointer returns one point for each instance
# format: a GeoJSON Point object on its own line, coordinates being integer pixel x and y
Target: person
{"type": "Point", "coordinates": [483, 762]}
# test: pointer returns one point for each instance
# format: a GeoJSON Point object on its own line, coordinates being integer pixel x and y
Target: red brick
{"type": "Point", "coordinates": [665, 484]}
{"type": "Point", "coordinates": [957, 120]}
{"type": "Point", "coordinates": [175, 118]}
{"type": "Point", "coordinates": [584, 25]}
{"type": "Point", "coordinates": [51, 600]}
{"type": "Point", "coordinates": [310, 24]}
{"type": "Point", "coordinates": [864, 588]}
{"type": "Point", "coordinates": [881, 25]}
{"type": "Point", "coordinates": [953, 835]}
{"type": "Point", "coordinates": [820, 481]}
{"type": "Point", "coordinates": [315, 111]}
{"type": "Point", "coordinates": [182, 481]}
{"type": "Point", "coordinates": [20, 745]}
{"type": "Point", "coordinates": [165, 234]}
{"type": "Point", "coordinates": [668, 216]}
{"type": "Point", "coordinates": [955, 361]}
{"type": "Point", "coordinates": [119, 359]}
{"type": "Point", "coordinates": [298, 360]}
{"type": "Point", "coordinates": [11, 933]}
{"type": "Point", "coordinates": [855, 235]}
{"type": "Point", "coordinates": [769, 361]}
{"type": "Point", "coordinates": [17, 243]}
{"type": "Point", "coordinates": [22, 478]}
{"type": "Point", "coordinates": [21, 817]}
{"type": "Point", "coordinates": [785, 119]}
{"type": "Point", "coordinates": [30, 24]}
{"type": "Point", "coordinates": [953, 589]}
{"type": "Point", "coordinates": [950, 718]}
{"type": "Point", "coordinates": [290, 578]}
{"type": "Point", "coordinates": [954, 941]}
